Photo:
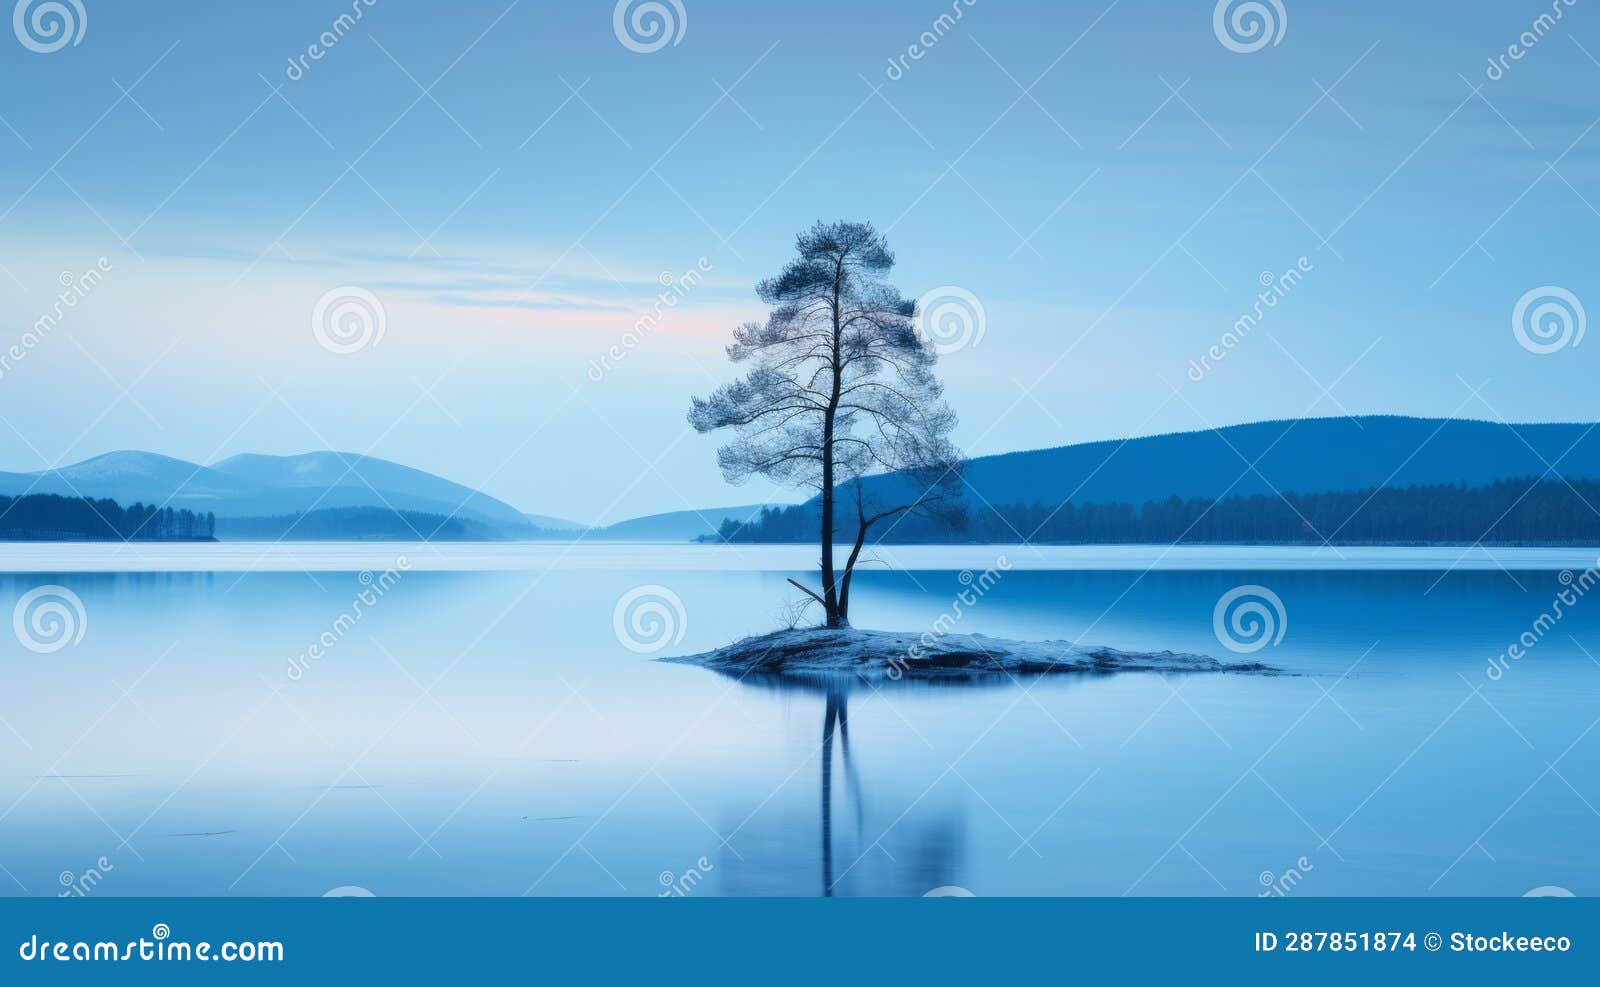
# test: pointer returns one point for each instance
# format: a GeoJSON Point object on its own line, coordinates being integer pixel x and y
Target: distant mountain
{"type": "Point", "coordinates": [265, 487]}
{"type": "Point", "coordinates": [678, 525]}
{"type": "Point", "coordinates": [1306, 456]}
{"type": "Point", "coordinates": [363, 524]}
{"type": "Point", "coordinates": [549, 523]}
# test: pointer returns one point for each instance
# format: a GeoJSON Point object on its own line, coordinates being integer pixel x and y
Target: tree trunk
{"type": "Point", "coordinates": [850, 570]}
{"type": "Point", "coordinates": [830, 590]}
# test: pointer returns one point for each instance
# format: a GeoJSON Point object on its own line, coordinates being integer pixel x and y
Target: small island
{"type": "Point", "coordinates": [887, 655]}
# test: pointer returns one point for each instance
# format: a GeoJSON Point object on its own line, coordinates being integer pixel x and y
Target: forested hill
{"type": "Point", "coordinates": [1526, 511]}
{"type": "Point", "coordinates": [49, 517]}
{"type": "Point", "coordinates": [1308, 455]}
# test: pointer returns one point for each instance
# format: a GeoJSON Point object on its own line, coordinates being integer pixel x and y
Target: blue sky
{"type": "Point", "coordinates": [1108, 180]}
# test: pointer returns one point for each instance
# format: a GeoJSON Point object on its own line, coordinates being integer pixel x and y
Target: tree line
{"type": "Point", "coordinates": [51, 517]}
{"type": "Point", "coordinates": [1515, 511]}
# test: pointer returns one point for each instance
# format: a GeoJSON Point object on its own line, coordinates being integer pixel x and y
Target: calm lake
{"type": "Point", "coordinates": [487, 720]}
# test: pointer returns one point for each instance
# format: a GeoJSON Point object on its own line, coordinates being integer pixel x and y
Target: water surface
{"type": "Point", "coordinates": [485, 729]}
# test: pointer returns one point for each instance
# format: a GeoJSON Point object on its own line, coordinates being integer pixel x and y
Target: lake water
{"type": "Point", "coordinates": [490, 725]}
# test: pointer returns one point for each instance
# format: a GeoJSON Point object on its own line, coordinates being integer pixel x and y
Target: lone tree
{"type": "Point", "coordinates": [840, 385]}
